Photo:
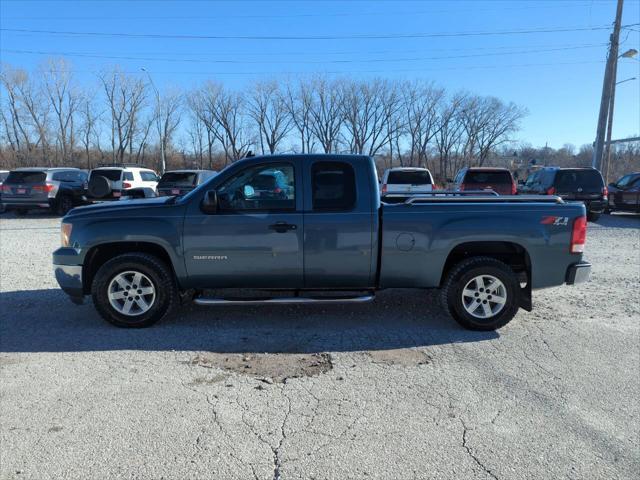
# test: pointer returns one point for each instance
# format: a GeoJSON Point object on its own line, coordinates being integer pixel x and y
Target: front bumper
{"type": "Point", "coordinates": [578, 273]}
{"type": "Point", "coordinates": [68, 273]}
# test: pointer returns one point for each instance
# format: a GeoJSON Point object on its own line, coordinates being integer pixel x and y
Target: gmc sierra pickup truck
{"type": "Point", "coordinates": [314, 226]}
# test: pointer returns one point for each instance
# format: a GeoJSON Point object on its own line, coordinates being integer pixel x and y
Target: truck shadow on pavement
{"type": "Point", "coordinates": [46, 321]}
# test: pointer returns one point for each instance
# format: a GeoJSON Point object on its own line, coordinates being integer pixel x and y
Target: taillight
{"type": "Point", "coordinates": [126, 185]}
{"type": "Point", "coordinates": [462, 187]}
{"type": "Point", "coordinates": [605, 193]}
{"type": "Point", "coordinates": [384, 188]}
{"type": "Point", "coordinates": [578, 235]}
{"type": "Point", "coordinates": [514, 189]}
{"type": "Point", "coordinates": [47, 187]}
{"type": "Point", "coordinates": [277, 190]}
{"type": "Point", "coordinates": [551, 191]}
{"type": "Point", "coordinates": [5, 189]}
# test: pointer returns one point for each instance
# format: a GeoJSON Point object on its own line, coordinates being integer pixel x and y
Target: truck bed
{"type": "Point", "coordinates": [418, 236]}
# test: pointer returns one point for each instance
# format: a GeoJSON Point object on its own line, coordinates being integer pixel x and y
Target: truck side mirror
{"type": "Point", "coordinates": [209, 203]}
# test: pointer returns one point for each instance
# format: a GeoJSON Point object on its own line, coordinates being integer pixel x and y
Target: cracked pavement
{"type": "Point", "coordinates": [242, 393]}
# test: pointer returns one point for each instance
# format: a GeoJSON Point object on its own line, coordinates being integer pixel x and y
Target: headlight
{"type": "Point", "coordinates": [65, 234]}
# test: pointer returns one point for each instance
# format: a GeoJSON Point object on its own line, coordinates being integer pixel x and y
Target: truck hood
{"type": "Point", "coordinates": [120, 205]}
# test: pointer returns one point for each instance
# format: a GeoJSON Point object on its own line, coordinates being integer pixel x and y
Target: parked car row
{"type": "Point", "coordinates": [61, 189]}
{"type": "Point", "coordinates": [574, 184]}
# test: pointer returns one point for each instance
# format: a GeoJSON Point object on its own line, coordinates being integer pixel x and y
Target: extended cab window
{"type": "Point", "coordinates": [333, 185]}
{"type": "Point", "coordinates": [262, 187]}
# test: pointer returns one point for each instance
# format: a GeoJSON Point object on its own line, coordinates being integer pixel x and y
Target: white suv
{"type": "Point", "coordinates": [114, 182]}
{"type": "Point", "coordinates": [406, 180]}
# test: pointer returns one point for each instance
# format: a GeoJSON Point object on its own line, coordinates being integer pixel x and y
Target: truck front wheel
{"type": "Point", "coordinates": [134, 290]}
{"type": "Point", "coordinates": [481, 293]}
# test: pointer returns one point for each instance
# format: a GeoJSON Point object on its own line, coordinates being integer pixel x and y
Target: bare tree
{"type": "Point", "coordinates": [421, 109]}
{"type": "Point", "coordinates": [299, 101]}
{"type": "Point", "coordinates": [325, 114]}
{"type": "Point", "coordinates": [224, 111]}
{"type": "Point", "coordinates": [65, 101]}
{"type": "Point", "coordinates": [197, 102]}
{"type": "Point", "coordinates": [450, 132]}
{"type": "Point", "coordinates": [14, 117]}
{"type": "Point", "coordinates": [364, 109]}
{"type": "Point", "coordinates": [125, 97]}
{"type": "Point", "coordinates": [89, 124]}
{"type": "Point", "coordinates": [488, 122]}
{"type": "Point", "coordinates": [196, 134]}
{"type": "Point", "coordinates": [167, 116]}
{"type": "Point", "coordinates": [269, 110]}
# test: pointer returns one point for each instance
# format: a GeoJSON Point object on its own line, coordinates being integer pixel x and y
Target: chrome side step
{"type": "Point", "coordinates": [281, 300]}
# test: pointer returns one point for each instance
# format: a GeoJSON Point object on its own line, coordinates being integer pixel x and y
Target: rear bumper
{"type": "Point", "coordinates": [596, 206]}
{"type": "Point", "coordinates": [69, 275]}
{"type": "Point", "coordinates": [13, 203]}
{"type": "Point", "coordinates": [578, 273]}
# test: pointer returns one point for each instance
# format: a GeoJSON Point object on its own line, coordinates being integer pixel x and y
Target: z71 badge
{"type": "Point", "coordinates": [556, 221]}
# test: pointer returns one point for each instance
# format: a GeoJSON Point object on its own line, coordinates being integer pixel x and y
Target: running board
{"type": "Point", "coordinates": [281, 300]}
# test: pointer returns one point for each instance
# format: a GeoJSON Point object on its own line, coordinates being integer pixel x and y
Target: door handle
{"type": "Point", "coordinates": [282, 227]}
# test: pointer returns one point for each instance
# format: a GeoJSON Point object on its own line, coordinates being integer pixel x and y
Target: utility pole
{"type": "Point", "coordinates": [608, 85]}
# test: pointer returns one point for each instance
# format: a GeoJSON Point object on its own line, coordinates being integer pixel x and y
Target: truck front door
{"type": "Point", "coordinates": [255, 239]}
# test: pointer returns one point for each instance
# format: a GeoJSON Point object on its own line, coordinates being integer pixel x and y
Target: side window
{"type": "Point", "coordinates": [148, 177]}
{"type": "Point", "coordinates": [59, 177]}
{"type": "Point", "coordinates": [261, 187]}
{"type": "Point", "coordinates": [127, 176]}
{"type": "Point", "coordinates": [333, 186]}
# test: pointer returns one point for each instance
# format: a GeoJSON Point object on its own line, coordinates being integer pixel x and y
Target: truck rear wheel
{"type": "Point", "coordinates": [481, 293]}
{"type": "Point", "coordinates": [134, 290]}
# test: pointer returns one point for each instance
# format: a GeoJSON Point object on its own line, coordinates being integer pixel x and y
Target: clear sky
{"type": "Point", "coordinates": [557, 75]}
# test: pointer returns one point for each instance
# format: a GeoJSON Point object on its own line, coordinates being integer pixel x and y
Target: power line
{"type": "Point", "coordinates": [311, 62]}
{"type": "Point", "coordinates": [345, 72]}
{"type": "Point", "coordinates": [308, 53]}
{"type": "Point", "coordinates": [393, 13]}
{"type": "Point", "coordinates": [382, 36]}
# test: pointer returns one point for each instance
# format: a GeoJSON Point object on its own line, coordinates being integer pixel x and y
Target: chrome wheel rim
{"type": "Point", "coordinates": [131, 293]}
{"type": "Point", "coordinates": [484, 296]}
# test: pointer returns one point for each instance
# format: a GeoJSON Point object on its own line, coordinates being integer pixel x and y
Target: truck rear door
{"type": "Point", "coordinates": [338, 224]}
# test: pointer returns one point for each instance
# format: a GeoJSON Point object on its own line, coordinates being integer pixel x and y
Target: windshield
{"type": "Point", "coordinates": [418, 177]}
{"type": "Point", "coordinates": [178, 178]}
{"type": "Point", "coordinates": [26, 177]}
{"type": "Point", "coordinates": [626, 180]}
{"type": "Point", "coordinates": [108, 174]}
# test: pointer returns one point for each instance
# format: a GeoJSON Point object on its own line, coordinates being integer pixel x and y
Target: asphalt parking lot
{"type": "Point", "coordinates": [391, 389]}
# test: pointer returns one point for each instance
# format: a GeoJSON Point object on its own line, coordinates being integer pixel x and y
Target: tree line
{"type": "Point", "coordinates": [49, 119]}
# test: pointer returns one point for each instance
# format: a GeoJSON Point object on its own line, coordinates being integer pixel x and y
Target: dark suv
{"type": "Point", "coordinates": [582, 184]}
{"type": "Point", "coordinates": [499, 180]}
{"type": "Point", "coordinates": [624, 193]}
{"type": "Point", "coordinates": [181, 182]}
{"type": "Point", "coordinates": [58, 189]}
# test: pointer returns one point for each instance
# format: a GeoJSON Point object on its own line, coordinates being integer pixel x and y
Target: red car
{"type": "Point", "coordinates": [499, 180]}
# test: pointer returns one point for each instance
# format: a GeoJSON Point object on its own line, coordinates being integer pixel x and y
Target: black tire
{"type": "Point", "coordinates": [463, 273]}
{"type": "Point", "coordinates": [161, 277]}
{"type": "Point", "coordinates": [64, 204]}
{"type": "Point", "coordinates": [21, 212]}
{"type": "Point", "coordinates": [593, 217]}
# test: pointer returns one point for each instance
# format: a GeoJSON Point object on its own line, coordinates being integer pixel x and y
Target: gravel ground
{"type": "Point", "coordinates": [391, 389]}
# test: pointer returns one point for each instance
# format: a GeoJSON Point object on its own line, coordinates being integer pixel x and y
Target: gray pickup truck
{"type": "Point", "coordinates": [314, 227]}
